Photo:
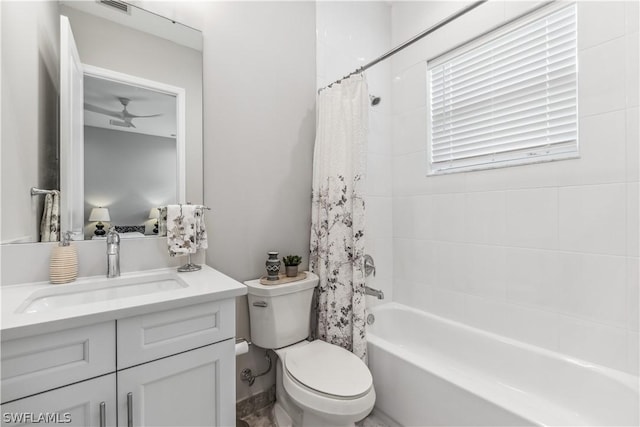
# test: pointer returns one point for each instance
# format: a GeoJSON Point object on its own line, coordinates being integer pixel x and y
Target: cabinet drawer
{"type": "Point", "coordinates": [152, 336]}
{"type": "Point", "coordinates": [41, 362]}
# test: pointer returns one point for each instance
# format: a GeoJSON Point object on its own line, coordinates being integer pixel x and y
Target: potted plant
{"type": "Point", "coordinates": [291, 263]}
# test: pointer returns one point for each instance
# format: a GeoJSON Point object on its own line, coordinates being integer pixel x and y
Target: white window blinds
{"type": "Point", "coordinates": [510, 99]}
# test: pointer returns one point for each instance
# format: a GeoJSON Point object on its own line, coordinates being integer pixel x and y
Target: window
{"type": "Point", "coordinates": [508, 98]}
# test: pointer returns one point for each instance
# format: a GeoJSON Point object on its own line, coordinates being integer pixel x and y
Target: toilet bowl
{"type": "Point", "coordinates": [332, 386]}
{"type": "Point", "coordinates": [317, 383]}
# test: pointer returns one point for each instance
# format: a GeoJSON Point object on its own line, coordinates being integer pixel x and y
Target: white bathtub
{"type": "Point", "coordinates": [428, 370]}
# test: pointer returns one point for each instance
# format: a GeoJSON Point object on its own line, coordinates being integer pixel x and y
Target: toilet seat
{"type": "Point", "coordinates": [329, 369]}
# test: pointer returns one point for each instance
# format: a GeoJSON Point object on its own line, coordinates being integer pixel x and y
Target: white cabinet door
{"type": "Point", "coordinates": [74, 405]}
{"type": "Point", "coordinates": [194, 388]}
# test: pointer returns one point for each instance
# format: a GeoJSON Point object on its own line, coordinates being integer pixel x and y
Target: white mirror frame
{"type": "Point", "coordinates": [71, 134]}
{"type": "Point", "coordinates": [75, 201]}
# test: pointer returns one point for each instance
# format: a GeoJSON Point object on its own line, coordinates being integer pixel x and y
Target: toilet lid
{"type": "Point", "coordinates": [329, 369]}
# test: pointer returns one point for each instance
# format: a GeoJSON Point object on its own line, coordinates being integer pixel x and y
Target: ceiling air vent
{"type": "Point", "coordinates": [115, 4]}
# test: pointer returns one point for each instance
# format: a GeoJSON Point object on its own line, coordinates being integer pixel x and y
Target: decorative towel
{"type": "Point", "coordinates": [162, 221]}
{"type": "Point", "coordinates": [185, 229]}
{"type": "Point", "coordinates": [50, 223]}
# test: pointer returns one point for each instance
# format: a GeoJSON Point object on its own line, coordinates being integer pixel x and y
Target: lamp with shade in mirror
{"type": "Point", "coordinates": [100, 214]}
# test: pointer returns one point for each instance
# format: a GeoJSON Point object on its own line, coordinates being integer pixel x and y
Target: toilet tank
{"type": "Point", "coordinates": [280, 314]}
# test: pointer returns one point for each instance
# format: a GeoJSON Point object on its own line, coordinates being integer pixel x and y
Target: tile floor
{"type": "Point", "coordinates": [264, 418]}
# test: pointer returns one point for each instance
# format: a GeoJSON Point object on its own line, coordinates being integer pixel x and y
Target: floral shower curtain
{"type": "Point", "coordinates": [337, 214]}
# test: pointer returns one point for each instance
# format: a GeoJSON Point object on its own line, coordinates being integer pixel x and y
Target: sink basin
{"type": "Point", "coordinates": [98, 290]}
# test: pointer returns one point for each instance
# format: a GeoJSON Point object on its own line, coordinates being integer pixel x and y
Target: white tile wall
{"type": "Point", "coordinates": [601, 82]}
{"type": "Point", "coordinates": [600, 21]}
{"type": "Point", "coordinates": [486, 271]}
{"type": "Point", "coordinates": [379, 175]}
{"type": "Point", "coordinates": [485, 217]}
{"type": "Point", "coordinates": [633, 294]}
{"type": "Point", "coordinates": [378, 217]}
{"type": "Point", "coordinates": [409, 173]}
{"type": "Point", "coordinates": [410, 89]}
{"type": "Point", "coordinates": [592, 218]}
{"type": "Point", "coordinates": [633, 345]}
{"type": "Point", "coordinates": [448, 217]}
{"type": "Point", "coordinates": [592, 286]}
{"type": "Point", "coordinates": [380, 132]}
{"type": "Point", "coordinates": [545, 253]}
{"type": "Point", "coordinates": [633, 219]}
{"type": "Point", "coordinates": [532, 277]}
{"type": "Point", "coordinates": [450, 271]}
{"type": "Point", "coordinates": [409, 131]}
{"type": "Point", "coordinates": [633, 144]}
{"type": "Point", "coordinates": [632, 15]}
{"type": "Point", "coordinates": [632, 69]}
{"type": "Point", "coordinates": [532, 218]}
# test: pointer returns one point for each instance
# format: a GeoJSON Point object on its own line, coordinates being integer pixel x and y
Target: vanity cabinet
{"type": "Point", "coordinates": [169, 368]}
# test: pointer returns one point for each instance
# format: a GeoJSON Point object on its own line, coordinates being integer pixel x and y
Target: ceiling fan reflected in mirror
{"type": "Point", "coordinates": [124, 117]}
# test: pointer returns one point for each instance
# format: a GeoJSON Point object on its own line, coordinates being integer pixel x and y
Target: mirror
{"type": "Point", "coordinates": [152, 59]}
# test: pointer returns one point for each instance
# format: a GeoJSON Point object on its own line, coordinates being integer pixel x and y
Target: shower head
{"type": "Point", "coordinates": [375, 100]}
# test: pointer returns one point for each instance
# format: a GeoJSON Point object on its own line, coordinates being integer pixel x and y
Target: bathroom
{"type": "Point", "coordinates": [544, 254]}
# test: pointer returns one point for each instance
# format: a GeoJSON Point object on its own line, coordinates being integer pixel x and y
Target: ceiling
{"type": "Point", "coordinates": [105, 94]}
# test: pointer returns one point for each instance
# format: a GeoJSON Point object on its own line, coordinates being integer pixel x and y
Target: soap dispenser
{"type": "Point", "coordinates": [63, 267]}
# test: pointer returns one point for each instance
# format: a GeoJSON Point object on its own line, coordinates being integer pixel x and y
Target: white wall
{"type": "Point", "coordinates": [29, 86]}
{"type": "Point", "coordinates": [350, 34]}
{"type": "Point", "coordinates": [145, 177]}
{"type": "Point", "coordinates": [259, 103]}
{"type": "Point", "coordinates": [548, 253]}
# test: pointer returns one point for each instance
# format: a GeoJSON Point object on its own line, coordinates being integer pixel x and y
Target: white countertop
{"type": "Point", "coordinates": [202, 286]}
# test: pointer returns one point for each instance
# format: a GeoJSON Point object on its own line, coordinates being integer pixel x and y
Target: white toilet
{"type": "Point", "coordinates": [317, 384]}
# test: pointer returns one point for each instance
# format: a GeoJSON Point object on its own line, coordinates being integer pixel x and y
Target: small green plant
{"type": "Point", "coordinates": [291, 260]}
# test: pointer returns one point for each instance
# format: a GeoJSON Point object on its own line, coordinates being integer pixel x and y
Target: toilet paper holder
{"type": "Point", "coordinates": [242, 346]}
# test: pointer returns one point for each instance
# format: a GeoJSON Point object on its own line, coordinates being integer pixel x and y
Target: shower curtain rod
{"type": "Point", "coordinates": [409, 42]}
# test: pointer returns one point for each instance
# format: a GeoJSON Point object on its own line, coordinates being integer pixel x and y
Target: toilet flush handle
{"type": "Point", "coordinates": [260, 304]}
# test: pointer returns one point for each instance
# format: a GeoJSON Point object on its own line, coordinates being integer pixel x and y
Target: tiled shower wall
{"type": "Point", "coordinates": [546, 253]}
{"type": "Point", "coordinates": [350, 34]}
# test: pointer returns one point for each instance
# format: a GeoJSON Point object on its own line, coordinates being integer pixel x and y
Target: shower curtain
{"type": "Point", "coordinates": [337, 214]}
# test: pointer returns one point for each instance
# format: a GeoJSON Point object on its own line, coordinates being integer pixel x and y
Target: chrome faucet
{"type": "Point", "coordinates": [113, 253]}
{"type": "Point", "coordinates": [374, 292]}
{"type": "Point", "coordinates": [369, 268]}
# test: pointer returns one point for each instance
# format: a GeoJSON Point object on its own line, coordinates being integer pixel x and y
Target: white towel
{"type": "Point", "coordinates": [185, 229]}
{"type": "Point", "coordinates": [50, 223]}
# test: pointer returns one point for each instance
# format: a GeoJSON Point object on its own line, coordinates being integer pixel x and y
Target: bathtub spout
{"type": "Point", "coordinates": [374, 292]}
